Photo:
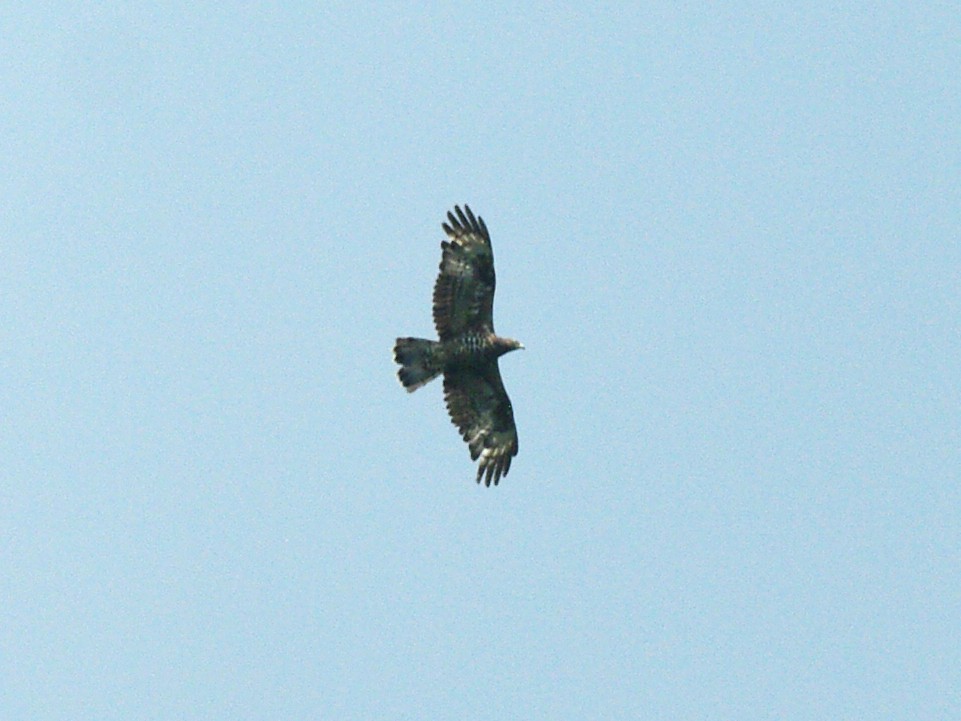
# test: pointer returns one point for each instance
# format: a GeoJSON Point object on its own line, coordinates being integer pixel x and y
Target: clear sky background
{"type": "Point", "coordinates": [730, 238]}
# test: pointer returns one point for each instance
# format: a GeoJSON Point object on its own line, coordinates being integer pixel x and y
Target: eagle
{"type": "Point", "coordinates": [468, 349]}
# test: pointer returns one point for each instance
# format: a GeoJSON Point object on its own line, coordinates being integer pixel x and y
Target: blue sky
{"type": "Point", "coordinates": [727, 235]}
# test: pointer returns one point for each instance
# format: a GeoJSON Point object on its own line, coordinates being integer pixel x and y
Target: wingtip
{"type": "Point", "coordinates": [492, 471]}
{"type": "Point", "coordinates": [463, 219]}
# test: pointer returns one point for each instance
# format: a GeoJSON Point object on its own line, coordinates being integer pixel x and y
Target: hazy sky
{"type": "Point", "coordinates": [728, 237]}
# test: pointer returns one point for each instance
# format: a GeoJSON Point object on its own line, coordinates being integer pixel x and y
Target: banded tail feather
{"type": "Point", "coordinates": [419, 362]}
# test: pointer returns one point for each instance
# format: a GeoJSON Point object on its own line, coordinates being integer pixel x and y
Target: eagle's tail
{"type": "Point", "coordinates": [419, 360]}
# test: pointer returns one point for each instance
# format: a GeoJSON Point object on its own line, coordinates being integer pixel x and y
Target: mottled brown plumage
{"type": "Point", "coordinates": [468, 348]}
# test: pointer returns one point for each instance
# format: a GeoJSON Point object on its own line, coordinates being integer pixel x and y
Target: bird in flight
{"type": "Point", "coordinates": [468, 349]}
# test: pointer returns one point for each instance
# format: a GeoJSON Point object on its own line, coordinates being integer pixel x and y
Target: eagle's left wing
{"type": "Point", "coordinates": [464, 291]}
{"type": "Point", "coordinates": [479, 407]}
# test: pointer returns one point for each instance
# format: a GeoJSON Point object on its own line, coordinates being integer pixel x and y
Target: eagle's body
{"type": "Point", "coordinates": [468, 348]}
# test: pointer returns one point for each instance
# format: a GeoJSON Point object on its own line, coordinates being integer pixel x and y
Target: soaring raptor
{"type": "Point", "coordinates": [468, 348]}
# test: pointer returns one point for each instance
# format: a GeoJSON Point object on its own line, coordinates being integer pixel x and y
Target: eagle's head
{"type": "Point", "coordinates": [506, 345]}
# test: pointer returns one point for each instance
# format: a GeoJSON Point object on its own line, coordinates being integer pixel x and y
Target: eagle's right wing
{"type": "Point", "coordinates": [464, 291]}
